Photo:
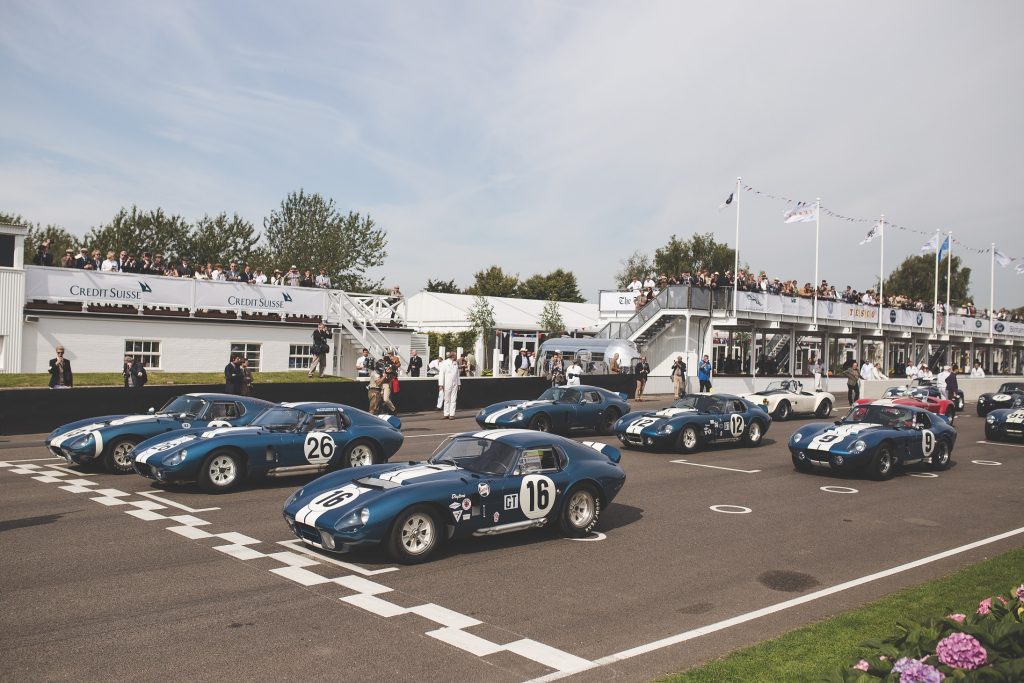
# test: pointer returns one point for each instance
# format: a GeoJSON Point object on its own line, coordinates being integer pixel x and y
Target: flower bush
{"type": "Point", "coordinates": [987, 645]}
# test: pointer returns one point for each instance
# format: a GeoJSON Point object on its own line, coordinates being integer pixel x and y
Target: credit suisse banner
{"type": "Point", "coordinates": [94, 287]}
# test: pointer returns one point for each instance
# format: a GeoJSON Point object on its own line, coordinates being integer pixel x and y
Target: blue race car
{"type": "Point", "coordinates": [1010, 395]}
{"type": "Point", "coordinates": [693, 421]}
{"type": "Point", "coordinates": [111, 438]}
{"type": "Point", "coordinates": [1003, 424]}
{"type": "Point", "coordinates": [291, 438]}
{"type": "Point", "coordinates": [476, 484]}
{"type": "Point", "coordinates": [877, 437]}
{"type": "Point", "coordinates": [559, 409]}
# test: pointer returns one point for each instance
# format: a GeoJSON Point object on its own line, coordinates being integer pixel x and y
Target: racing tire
{"type": "Point", "coordinates": [959, 402]}
{"type": "Point", "coordinates": [541, 422]}
{"type": "Point", "coordinates": [689, 439]}
{"type": "Point", "coordinates": [941, 456]}
{"type": "Point", "coordinates": [883, 465]}
{"type": "Point", "coordinates": [117, 458]}
{"type": "Point", "coordinates": [782, 411]}
{"type": "Point", "coordinates": [801, 465]}
{"type": "Point", "coordinates": [824, 409]}
{"type": "Point", "coordinates": [415, 535]}
{"type": "Point", "coordinates": [360, 453]}
{"type": "Point", "coordinates": [754, 434]}
{"type": "Point", "coordinates": [221, 472]}
{"type": "Point", "coordinates": [990, 434]}
{"type": "Point", "coordinates": [581, 512]}
{"type": "Point", "coordinates": [608, 420]}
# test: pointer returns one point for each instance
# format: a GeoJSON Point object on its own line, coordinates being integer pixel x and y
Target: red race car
{"type": "Point", "coordinates": [917, 397]}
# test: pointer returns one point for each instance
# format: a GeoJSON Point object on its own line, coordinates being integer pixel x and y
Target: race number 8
{"type": "Point", "coordinates": [736, 424]}
{"type": "Point", "coordinates": [927, 442]}
{"type": "Point", "coordinates": [318, 446]}
{"type": "Point", "coordinates": [536, 496]}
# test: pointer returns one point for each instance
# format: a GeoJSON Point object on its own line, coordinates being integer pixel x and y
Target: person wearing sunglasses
{"type": "Point", "coordinates": [60, 371]}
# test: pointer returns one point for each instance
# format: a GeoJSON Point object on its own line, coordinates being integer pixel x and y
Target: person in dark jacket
{"type": "Point", "coordinates": [415, 364]}
{"type": "Point", "coordinates": [61, 376]}
{"type": "Point", "coordinates": [233, 377]}
{"type": "Point", "coordinates": [319, 349]}
{"type": "Point", "coordinates": [952, 385]}
{"type": "Point", "coordinates": [134, 372]}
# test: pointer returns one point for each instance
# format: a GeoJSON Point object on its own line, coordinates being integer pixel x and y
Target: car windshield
{"type": "Point", "coordinates": [890, 416]}
{"type": "Point", "coordinates": [698, 402]}
{"type": "Point", "coordinates": [1011, 387]}
{"type": "Point", "coordinates": [781, 385]}
{"type": "Point", "coordinates": [480, 455]}
{"type": "Point", "coordinates": [191, 406]}
{"type": "Point", "coordinates": [563, 394]}
{"type": "Point", "coordinates": [896, 391]}
{"type": "Point", "coordinates": [921, 394]}
{"type": "Point", "coordinates": [282, 419]}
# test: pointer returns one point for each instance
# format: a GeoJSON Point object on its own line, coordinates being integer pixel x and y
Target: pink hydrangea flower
{"type": "Point", "coordinates": [961, 651]}
{"type": "Point", "coordinates": [985, 606]}
{"type": "Point", "coordinates": [1019, 592]}
{"type": "Point", "coordinates": [916, 671]}
{"type": "Point", "coordinates": [862, 665]}
{"type": "Point", "coordinates": [957, 617]}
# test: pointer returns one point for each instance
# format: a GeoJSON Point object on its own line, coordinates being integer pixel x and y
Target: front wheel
{"type": "Point", "coordinates": [824, 409]}
{"type": "Point", "coordinates": [959, 401]}
{"type": "Point", "coordinates": [359, 453]}
{"type": "Point", "coordinates": [753, 435]}
{"type": "Point", "coordinates": [940, 456]}
{"type": "Point", "coordinates": [540, 423]}
{"type": "Point", "coordinates": [415, 535]}
{"type": "Point", "coordinates": [689, 440]}
{"type": "Point", "coordinates": [607, 422]}
{"type": "Point", "coordinates": [220, 472]}
{"type": "Point", "coordinates": [782, 411]}
{"type": "Point", "coordinates": [883, 465]}
{"type": "Point", "coordinates": [118, 457]}
{"type": "Point", "coordinates": [581, 512]}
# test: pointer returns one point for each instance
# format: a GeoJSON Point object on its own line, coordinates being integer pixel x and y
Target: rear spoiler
{"type": "Point", "coordinates": [392, 420]}
{"type": "Point", "coordinates": [608, 450]}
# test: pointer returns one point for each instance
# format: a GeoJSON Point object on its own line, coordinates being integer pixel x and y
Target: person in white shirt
{"type": "Point", "coordinates": [911, 371]}
{"type": "Point", "coordinates": [867, 371]}
{"type": "Point", "coordinates": [448, 384]}
{"type": "Point", "coordinates": [925, 373]}
{"type": "Point", "coordinates": [259, 278]}
{"type": "Point", "coordinates": [649, 283]}
{"type": "Point", "coordinates": [323, 280]}
{"type": "Point", "coordinates": [878, 372]}
{"type": "Point", "coordinates": [816, 371]}
{"type": "Point", "coordinates": [940, 380]}
{"type": "Point", "coordinates": [572, 374]}
{"type": "Point", "coordinates": [635, 285]}
{"type": "Point", "coordinates": [976, 371]}
{"type": "Point", "coordinates": [110, 264]}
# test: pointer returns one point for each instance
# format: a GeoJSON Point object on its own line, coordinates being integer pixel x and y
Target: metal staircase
{"type": "Point", "coordinates": [360, 317]}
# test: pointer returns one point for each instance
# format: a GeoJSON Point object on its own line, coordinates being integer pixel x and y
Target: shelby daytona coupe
{"type": "Point", "coordinates": [784, 397]}
{"type": "Point", "coordinates": [1003, 424]}
{"type": "Point", "coordinates": [559, 409]}
{"type": "Point", "coordinates": [877, 438]}
{"type": "Point", "coordinates": [693, 421]}
{"type": "Point", "coordinates": [291, 438]}
{"type": "Point", "coordinates": [476, 484]}
{"type": "Point", "coordinates": [1010, 395]}
{"type": "Point", "coordinates": [111, 438]}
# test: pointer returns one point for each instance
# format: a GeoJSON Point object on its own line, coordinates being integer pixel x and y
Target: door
{"type": "Point", "coordinates": [567, 412]}
{"type": "Point", "coordinates": [922, 443]}
{"type": "Point", "coordinates": [534, 488]}
{"type": "Point", "coordinates": [591, 409]}
{"type": "Point", "coordinates": [312, 443]}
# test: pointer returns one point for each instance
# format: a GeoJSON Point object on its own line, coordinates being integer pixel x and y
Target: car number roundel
{"type": "Point", "coordinates": [927, 442]}
{"type": "Point", "coordinates": [335, 498]}
{"type": "Point", "coordinates": [736, 424]}
{"type": "Point", "coordinates": [318, 447]}
{"type": "Point", "coordinates": [536, 496]}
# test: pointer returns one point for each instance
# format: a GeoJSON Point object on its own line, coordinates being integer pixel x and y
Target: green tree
{"type": "Point", "coordinates": [700, 252]}
{"type": "Point", "coordinates": [551, 319]}
{"type": "Point", "coordinates": [635, 267]}
{"type": "Point", "coordinates": [559, 285]}
{"type": "Point", "coordinates": [493, 282]}
{"type": "Point", "coordinates": [481, 320]}
{"type": "Point", "coordinates": [219, 239]}
{"type": "Point", "coordinates": [309, 231]}
{"type": "Point", "coordinates": [915, 278]}
{"type": "Point", "coordinates": [443, 286]}
{"type": "Point", "coordinates": [60, 239]}
{"type": "Point", "coordinates": [137, 231]}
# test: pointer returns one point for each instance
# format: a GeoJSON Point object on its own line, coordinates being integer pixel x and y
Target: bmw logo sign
{"type": "Point", "coordinates": [977, 323]}
{"type": "Point", "coordinates": [892, 315]}
{"type": "Point", "coordinates": [1000, 327]}
{"type": "Point", "coordinates": [920, 318]}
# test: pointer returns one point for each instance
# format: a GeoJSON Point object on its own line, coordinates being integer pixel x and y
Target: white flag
{"type": "Point", "coordinates": [727, 202]}
{"type": "Point", "coordinates": [932, 244]}
{"type": "Point", "coordinates": [801, 213]}
{"type": "Point", "coordinates": [1001, 258]}
{"type": "Point", "coordinates": [875, 231]}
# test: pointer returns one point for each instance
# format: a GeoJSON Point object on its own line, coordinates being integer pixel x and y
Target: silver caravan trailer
{"type": "Point", "coordinates": [594, 355]}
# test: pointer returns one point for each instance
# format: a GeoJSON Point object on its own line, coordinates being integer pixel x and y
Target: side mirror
{"type": "Point", "coordinates": [151, 410]}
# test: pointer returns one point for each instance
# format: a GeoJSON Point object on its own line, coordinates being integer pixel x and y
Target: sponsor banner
{"type": "Point", "coordinates": [903, 318]}
{"type": "Point", "coordinates": [617, 302]}
{"type": "Point", "coordinates": [240, 296]}
{"type": "Point", "coordinates": [95, 287]}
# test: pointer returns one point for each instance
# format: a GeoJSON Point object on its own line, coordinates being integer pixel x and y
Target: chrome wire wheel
{"type": "Point", "coordinates": [361, 455]}
{"type": "Point", "coordinates": [122, 455]}
{"type": "Point", "coordinates": [689, 438]}
{"type": "Point", "coordinates": [581, 508]}
{"type": "Point", "coordinates": [223, 470]}
{"type": "Point", "coordinates": [417, 536]}
{"type": "Point", "coordinates": [754, 432]}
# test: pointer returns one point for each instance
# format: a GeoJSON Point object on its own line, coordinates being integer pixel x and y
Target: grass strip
{"type": "Point", "coordinates": [116, 379]}
{"type": "Point", "coordinates": [814, 652]}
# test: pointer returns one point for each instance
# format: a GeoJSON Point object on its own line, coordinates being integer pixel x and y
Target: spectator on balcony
{"type": "Point", "coordinates": [217, 274]}
{"type": "Point", "coordinates": [635, 286]}
{"type": "Point", "coordinates": [246, 273]}
{"type": "Point", "coordinates": [292, 278]}
{"type": "Point", "coordinates": [201, 273]}
{"type": "Point", "coordinates": [68, 260]}
{"type": "Point", "coordinates": [307, 281]}
{"type": "Point", "coordinates": [130, 265]}
{"type": "Point", "coordinates": [82, 259]}
{"type": "Point", "coordinates": [43, 255]}
{"type": "Point", "coordinates": [158, 267]}
{"type": "Point", "coordinates": [184, 269]}
{"type": "Point", "coordinates": [233, 274]}
{"type": "Point", "coordinates": [259, 278]}
{"type": "Point", "coordinates": [277, 278]}
{"type": "Point", "coordinates": [323, 280]}
{"type": "Point", "coordinates": [122, 261]}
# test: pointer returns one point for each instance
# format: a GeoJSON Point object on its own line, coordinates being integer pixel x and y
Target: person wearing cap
{"type": "Point", "coordinates": [642, 369]}
{"type": "Point", "coordinates": [277, 277]}
{"type": "Point", "coordinates": [61, 376]}
{"type": "Point", "coordinates": [82, 259]}
{"type": "Point", "coordinates": [68, 260]}
{"type": "Point", "coordinates": [134, 373]}
{"type": "Point", "coordinates": [521, 363]}
{"type": "Point", "coordinates": [292, 278]}
{"type": "Point", "coordinates": [320, 349]}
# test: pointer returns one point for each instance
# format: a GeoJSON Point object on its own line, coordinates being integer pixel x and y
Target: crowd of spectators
{"type": "Point", "coordinates": [646, 289]}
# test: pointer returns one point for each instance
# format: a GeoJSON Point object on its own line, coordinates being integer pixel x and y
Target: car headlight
{"type": "Point", "coordinates": [991, 419]}
{"type": "Point", "coordinates": [858, 447]}
{"type": "Point", "coordinates": [981, 399]}
{"type": "Point", "coordinates": [327, 540]}
{"type": "Point", "coordinates": [519, 416]}
{"type": "Point", "coordinates": [82, 441]}
{"type": "Point", "coordinates": [481, 413]}
{"type": "Point", "coordinates": [175, 458]}
{"type": "Point", "coordinates": [355, 518]}
{"type": "Point", "coordinates": [665, 429]}
{"type": "Point", "coordinates": [294, 497]}
{"type": "Point", "coordinates": [797, 437]}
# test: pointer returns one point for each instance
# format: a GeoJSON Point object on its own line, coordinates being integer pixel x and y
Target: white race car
{"type": "Point", "coordinates": [784, 397]}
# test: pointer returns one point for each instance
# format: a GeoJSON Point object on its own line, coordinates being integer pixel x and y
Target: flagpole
{"type": "Point", "coordinates": [935, 304]}
{"type": "Point", "coordinates": [992, 293]}
{"type": "Point", "coordinates": [949, 276]}
{"type": "Point", "coordinates": [736, 264]}
{"type": "Point", "coordinates": [881, 270]}
{"type": "Point", "coordinates": [817, 230]}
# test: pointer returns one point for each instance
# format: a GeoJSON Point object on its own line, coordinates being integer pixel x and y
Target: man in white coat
{"type": "Point", "coordinates": [448, 384]}
{"type": "Point", "coordinates": [573, 374]}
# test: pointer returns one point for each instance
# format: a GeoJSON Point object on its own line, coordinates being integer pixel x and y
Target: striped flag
{"type": "Point", "coordinates": [932, 244]}
{"type": "Point", "coordinates": [944, 249]}
{"type": "Point", "coordinates": [875, 231]}
{"type": "Point", "coordinates": [1001, 258]}
{"type": "Point", "coordinates": [801, 213]}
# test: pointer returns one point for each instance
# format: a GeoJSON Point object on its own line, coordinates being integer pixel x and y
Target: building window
{"type": "Point", "coordinates": [251, 352]}
{"type": "Point", "coordinates": [146, 351]}
{"type": "Point", "coordinates": [300, 356]}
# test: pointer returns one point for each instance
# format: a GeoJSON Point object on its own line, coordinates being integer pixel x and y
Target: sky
{"type": "Point", "coordinates": [533, 135]}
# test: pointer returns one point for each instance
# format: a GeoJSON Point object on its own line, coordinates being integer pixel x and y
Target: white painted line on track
{"type": "Point", "coordinates": [180, 506]}
{"type": "Point", "coordinates": [987, 462]}
{"type": "Point", "coordinates": [779, 607]}
{"type": "Point", "coordinates": [838, 489]}
{"type": "Point", "coordinates": [731, 509]}
{"type": "Point", "coordinates": [923, 475]}
{"type": "Point", "coordinates": [300, 547]}
{"type": "Point", "coordinates": [39, 460]}
{"type": "Point", "coordinates": [594, 536]}
{"type": "Point", "coordinates": [714, 467]}
{"type": "Point", "coordinates": [1000, 443]}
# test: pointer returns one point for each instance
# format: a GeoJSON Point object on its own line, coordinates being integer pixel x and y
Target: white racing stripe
{"type": "Point", "coordinates": [220, 431]}
{"type": "Point", "coordinates": [672, 412]}
{"type": "Point", "coordinates": [493, 417]}
{"type": "Point", "coordinates": [833, 436]}
{"type": "Point", "coordinates": [637, 425]}
{"type": "Point", "coordinates": [74, 433]}
{"type": "Point", "coordinates": [129, 419]}
{"type": "Point", "coordinates": [495, 434]}
{"type": "Point", "coordinates": [163, 447]}
{"type": "Point", "coordinates": [410, 473]}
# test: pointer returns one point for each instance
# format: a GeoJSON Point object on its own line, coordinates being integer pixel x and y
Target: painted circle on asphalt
{"type": "Point", "coordinates": [923, 475]}
{"type": "Point", "coordinates": [731, 509]}
{"type": "Point", "coordinates": [838, 489]}
{"type": "Point", "coordinates": [986, 462]}
{"type": "Point", "coordinates": [594, 536]}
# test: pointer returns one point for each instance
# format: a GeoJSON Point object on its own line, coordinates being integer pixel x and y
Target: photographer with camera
{"type": "Point", "coordinates": [319, 349]}
{"type": "Point", "coordinates": [679, 377]}
{"type": "Point", "coordinates": [43, 256]}
{"type": "Point", "coordinates": [379, 386]}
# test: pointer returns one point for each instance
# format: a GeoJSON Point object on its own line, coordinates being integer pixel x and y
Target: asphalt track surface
{"type": "Point", "coordinates": [101, 582]}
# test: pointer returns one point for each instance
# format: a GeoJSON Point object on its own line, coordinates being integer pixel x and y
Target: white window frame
{"type": "Point", "coordinates": [255, 362]}
{"type": "Point", "coordinates": [147, 357]}
{"type": "Point", "coordinates": [299, 360]}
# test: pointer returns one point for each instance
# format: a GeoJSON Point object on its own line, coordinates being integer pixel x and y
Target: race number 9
{"type": "Point", "coordinates": [927, 442]}
{"type": "Point", "coordinates": [536, 496]}
{"type": "Point", "coordinates": [318, 447]}
{"type": "Point", "coordinates": [736, 424]}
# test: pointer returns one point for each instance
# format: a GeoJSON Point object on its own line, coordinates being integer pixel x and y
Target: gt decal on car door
{"type": "Point", "coordinates": [536, 496]}
{"type": "Point", "coordinates": [318, 447]}
{"type": "Point", "coordinates": [927, 442]}
{"type": "Point", "coordinates": [736, 425]}
{"type": "Point", "coordinates": [636, 426]}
